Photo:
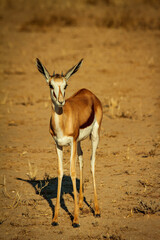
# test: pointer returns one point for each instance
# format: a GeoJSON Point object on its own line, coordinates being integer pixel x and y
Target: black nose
{"type": "Point", "coordinates": [60, 102]}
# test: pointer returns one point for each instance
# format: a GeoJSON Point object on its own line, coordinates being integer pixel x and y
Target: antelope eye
{"type": "Point", "coordinates": [51, 87]}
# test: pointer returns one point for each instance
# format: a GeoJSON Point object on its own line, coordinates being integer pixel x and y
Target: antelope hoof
{"type": "Point", "coordinates": [55, 224]}
{"type": "Point", "coordinates": [81, 206]}
{"type": "Point", "coordinates": [76, 225]}
{"type": "Point", "coordinates": [98, 215]}
{"type": "Point", "coordinates": [81, 203]}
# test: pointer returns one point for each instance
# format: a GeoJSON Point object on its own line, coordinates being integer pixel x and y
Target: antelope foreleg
{"type": "Point", "coordinates": [73, 177]}
{"type": "Point", "coordinates": [60, 175]}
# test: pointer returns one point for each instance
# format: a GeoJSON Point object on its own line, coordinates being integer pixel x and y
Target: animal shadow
{"type": "Point", "coordinates": [47, 188]}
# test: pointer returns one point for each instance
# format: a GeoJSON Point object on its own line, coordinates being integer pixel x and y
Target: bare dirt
{"type": "Point", "coordinates": [120, 45]}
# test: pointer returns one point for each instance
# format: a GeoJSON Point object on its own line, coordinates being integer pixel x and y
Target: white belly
{"type": "Point", "coordinates": [65, 140]}
{"type": "Point", "coordinates": [84, 133]}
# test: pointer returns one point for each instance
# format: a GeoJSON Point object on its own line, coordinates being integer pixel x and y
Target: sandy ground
{"type": "Point", "coordinates": [122, 67]}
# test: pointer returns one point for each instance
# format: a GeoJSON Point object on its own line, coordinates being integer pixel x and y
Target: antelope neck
{"type": "Point", "coordinates": [57, 109]}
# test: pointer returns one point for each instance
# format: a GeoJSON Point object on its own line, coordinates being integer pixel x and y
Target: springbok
{"type": "Point", "coordinates": [73, 120]}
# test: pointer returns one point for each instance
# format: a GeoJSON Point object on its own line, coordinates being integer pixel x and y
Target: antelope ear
{"type": "Point", "coordinates": [73, 70]}
{"type": "Point", "coordinates": [43, 70]}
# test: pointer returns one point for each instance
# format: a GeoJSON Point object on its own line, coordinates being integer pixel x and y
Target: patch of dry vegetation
{"type": "Point", "coordinates": [41, 23]}
{"type": "Point", "coordinates": [130, 15]}
{"type": "Point", "coordinates": [147, 208]}
{"type": "Point", "coordinates": [16, 199]}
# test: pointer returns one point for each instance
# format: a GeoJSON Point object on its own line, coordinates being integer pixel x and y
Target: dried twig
{"type": "Point", "coordinates": [39, 189]}
{"type": "Point", "coordinates": [131, 214]}
{"type": "Point", "coordinates": [16, 201]}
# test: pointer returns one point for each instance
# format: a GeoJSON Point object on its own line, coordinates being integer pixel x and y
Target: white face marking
{"type": "Point", "coordinates": [56, 87]}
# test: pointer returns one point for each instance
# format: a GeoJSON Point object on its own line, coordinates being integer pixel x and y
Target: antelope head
{"type": "Point", "coordinates": [57, 82]}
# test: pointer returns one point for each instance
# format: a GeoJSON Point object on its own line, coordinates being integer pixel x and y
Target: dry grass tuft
{"type": "Point", "coordinates": [32, 172]}
{"type": "Point", "coordinates": [5, 98]}
{"type": "Point", "coordinates": [16, 200]}
{"type": "Point", "coordinates": [114, 107]}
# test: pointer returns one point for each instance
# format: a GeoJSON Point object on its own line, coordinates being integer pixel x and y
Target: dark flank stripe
{"type": "Point", "coordinates": [89, 120]}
